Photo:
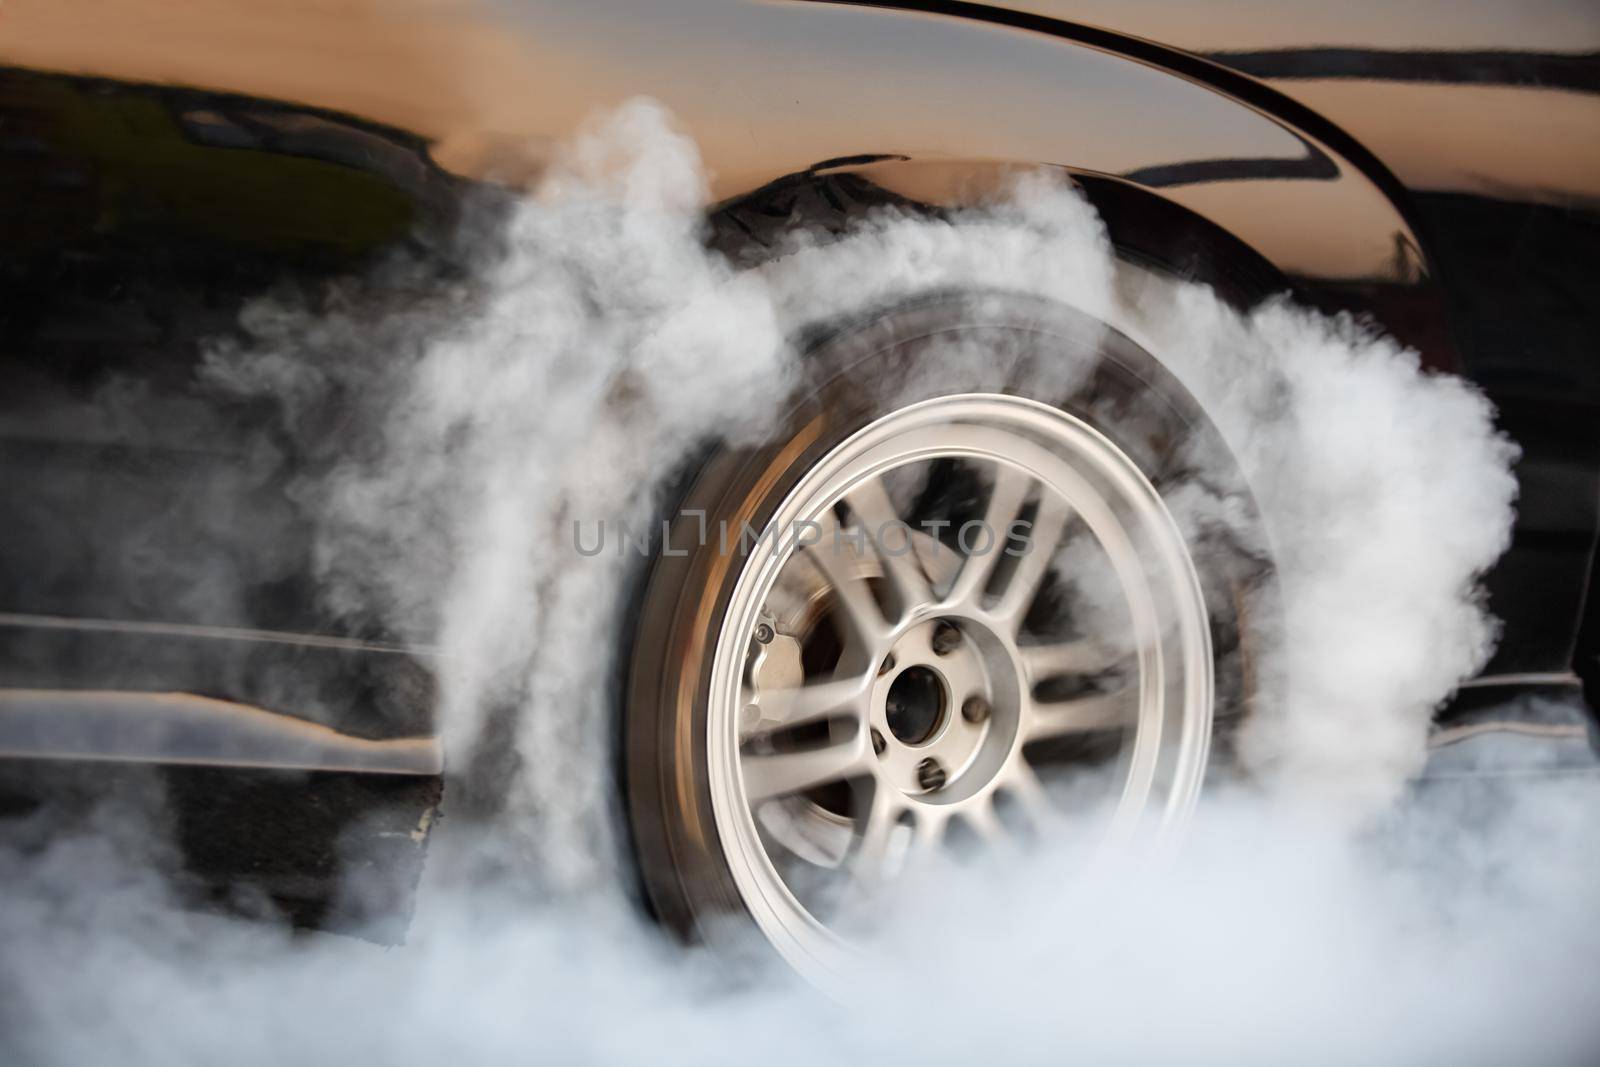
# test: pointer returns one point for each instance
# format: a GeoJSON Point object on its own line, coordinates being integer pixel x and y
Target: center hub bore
{"type": "Point", "coordinates": [916, 705]}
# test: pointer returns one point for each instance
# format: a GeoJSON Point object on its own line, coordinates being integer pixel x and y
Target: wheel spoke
{"type": "Point", "coordinates": [1042, 662]}
{"type": "Point", "coordinates": [929, 833]}
{"type": "Point", "coordinates": [871, 505]}
{"type": "Point", "coordinates": [870, 863]}
{"type": "Point", "coordinates": [1023, 786]}
{"type": "Point", "coordinates": [984, 820]}
{"type": "Point", "coordinates": [782, 709]}
{"type": "Point", "coordinates": [768, 775]}
{"type": "Point", "coordinates": [1043, 539]}
{"type": "Point", "coordinates": [1006, 497]}
{"type": "Point", "coordinates": [851, 593]}
{"type": "Point", "coordinates": [1099, 711]}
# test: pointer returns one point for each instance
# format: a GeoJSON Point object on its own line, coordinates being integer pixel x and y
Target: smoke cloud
{"type": "Point", "coordinates": [1325, 907]}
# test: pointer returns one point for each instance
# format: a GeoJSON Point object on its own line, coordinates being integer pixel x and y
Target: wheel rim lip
{"type": "Point", "coordinates": [807, 944]}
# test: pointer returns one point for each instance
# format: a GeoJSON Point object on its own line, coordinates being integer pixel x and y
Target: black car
{"type": "Point", "coordinates": [239, 243]}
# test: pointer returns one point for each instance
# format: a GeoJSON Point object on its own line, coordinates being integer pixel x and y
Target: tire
{"type": "Point", "coordinates": [992, 371]}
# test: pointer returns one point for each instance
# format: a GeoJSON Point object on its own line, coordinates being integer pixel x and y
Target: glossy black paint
{"type": "Point", "coordinates": [138, 219]}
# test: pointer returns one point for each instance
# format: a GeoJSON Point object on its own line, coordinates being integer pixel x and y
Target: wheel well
{"type": "Point", "coordinates": [823, 204]}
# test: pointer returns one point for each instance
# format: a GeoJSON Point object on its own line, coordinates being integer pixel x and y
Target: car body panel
{"type": "Point", "coordinates": [767, 90]}
{"type": "Point", "coordinates": [1370, 184]}
{"type": "Point", "coordinates": [1480, 96]}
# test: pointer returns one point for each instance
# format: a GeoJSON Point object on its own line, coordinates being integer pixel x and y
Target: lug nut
{"type": "Point", "coordinates": [886, 666]}
{"type": "Point", "coordinates": [930, 775]}
{"type": "Point", "coordinates": [764, 633]}
{"type": "Point", "coordinates": [878, 743]}
{"type": "Point", "coordinates": [946, 638]}
{"type": "Point", "coordinates": [975, 709]}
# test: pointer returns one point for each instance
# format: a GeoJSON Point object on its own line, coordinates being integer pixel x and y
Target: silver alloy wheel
{"type": "Point", "coordinates": [939, 692]}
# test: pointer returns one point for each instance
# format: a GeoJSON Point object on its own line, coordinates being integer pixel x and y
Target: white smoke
{"type": "Point", "coordinates": [1386, 491]}
{"type": "Point", "coordinates": [581, 368]}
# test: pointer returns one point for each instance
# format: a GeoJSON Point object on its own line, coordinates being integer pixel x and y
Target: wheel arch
{"type": "Point", "coordinates": [1140, 224]}
{"type": "Point", "coordinates": [1333, 171]}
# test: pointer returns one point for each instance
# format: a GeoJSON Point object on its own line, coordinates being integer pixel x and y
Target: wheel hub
{"type": "Point", "coordinates": [915, 705]}
{"type": "Point", "coordinates": [931, 748]}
